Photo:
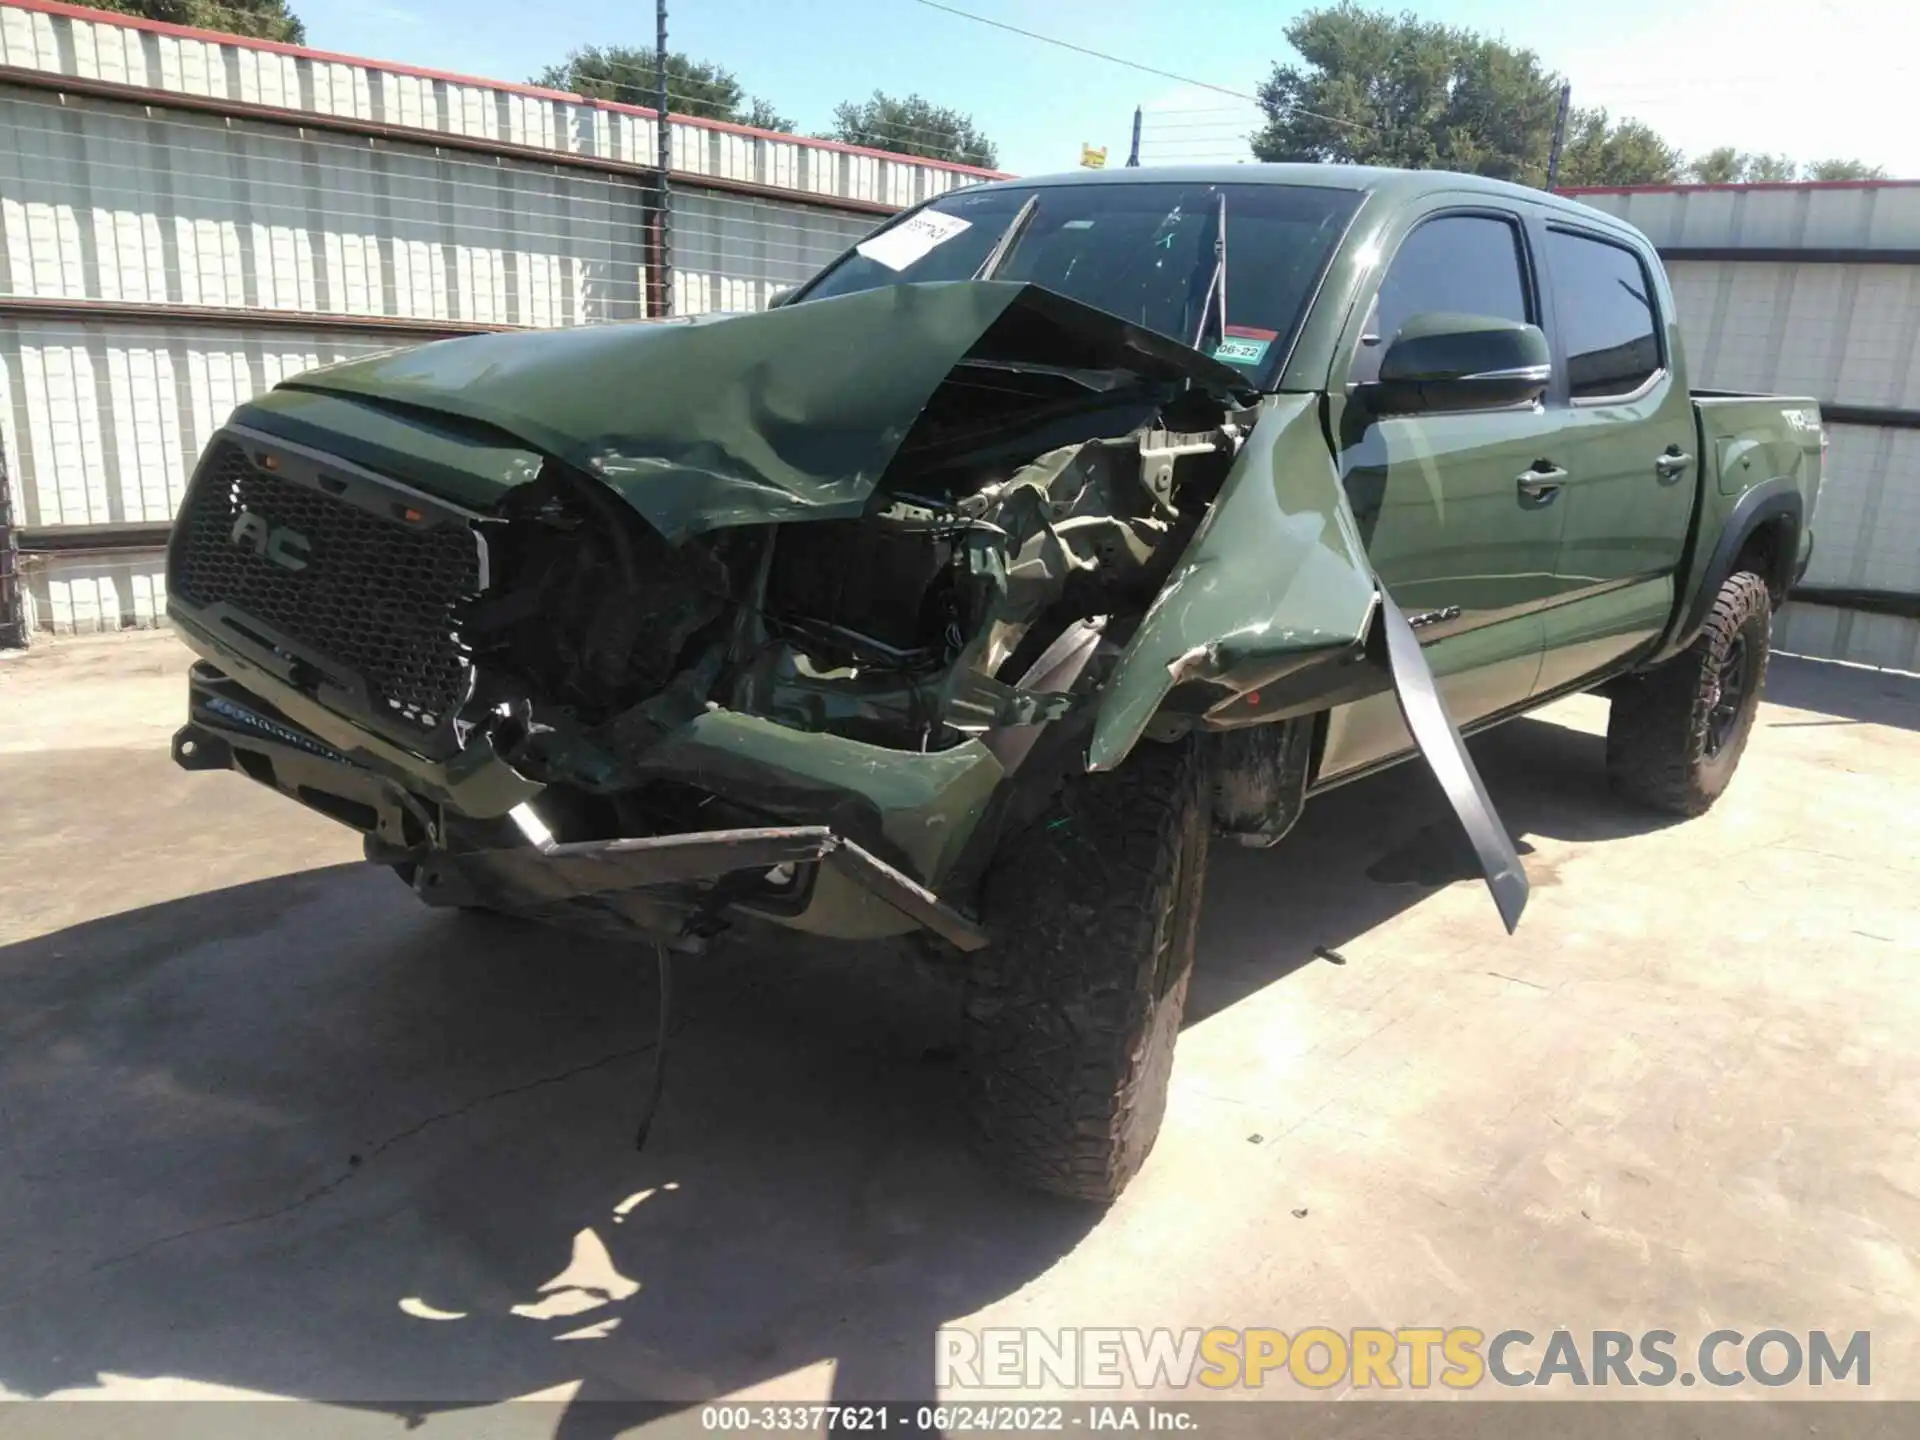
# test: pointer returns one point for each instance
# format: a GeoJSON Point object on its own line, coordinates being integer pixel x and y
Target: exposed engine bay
{"type": "Point", "coordinates": [913, 627]}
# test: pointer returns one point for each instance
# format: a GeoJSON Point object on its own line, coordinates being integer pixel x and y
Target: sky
{"type": "Point", "coordinates": [1809, 78]}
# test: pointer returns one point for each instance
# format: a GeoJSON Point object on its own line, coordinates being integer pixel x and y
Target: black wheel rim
{"type": "Point", "coordinates": [1733, 679]}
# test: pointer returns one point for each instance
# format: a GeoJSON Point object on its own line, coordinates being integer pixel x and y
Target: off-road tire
{"type": "Point", "coordinates": [1072, 1012]}
{"type": "Point", "coordinates": [1672, 744]}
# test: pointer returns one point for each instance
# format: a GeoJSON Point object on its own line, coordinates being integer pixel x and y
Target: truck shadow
{"type": "Point", "coordinates": [300, 1137]}
{"type": "Point", "coordinates": [1371, 849]}
{"type": "Point", "coordinates": [1847, 694]}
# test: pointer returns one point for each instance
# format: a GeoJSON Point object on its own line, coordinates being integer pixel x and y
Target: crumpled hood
{"type": "Point", "coordinates": [788, 414]}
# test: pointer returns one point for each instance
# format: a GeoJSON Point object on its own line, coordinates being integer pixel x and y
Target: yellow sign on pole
{"type": "Point", "coordinates": [1092, 159]}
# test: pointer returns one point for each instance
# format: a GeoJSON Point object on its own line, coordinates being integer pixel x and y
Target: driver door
{"type": "Point", "coordinates": [1461, 538]}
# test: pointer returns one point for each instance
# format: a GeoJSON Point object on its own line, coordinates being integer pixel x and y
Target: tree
{"type": "Point", "coordinates": [1600, 151]}
{"type": "Point", "coordinates": [913, 126]}
{"type": "Point", "coordinates": [626, 76]}
{"type": "Point", "coordinates": [762, 116]}
{"type": "Point", "coordinates": [256, 19]}
{"type": "Point", "coordinates": [1727, 166]}
{"type": "Point", "coordinates": [1769, 167]}
{"type": "Point", "coordinates": [1381, 89]}
{"type": "Point", "coordinates": [1844, 170]}
{"type": "Point", "coordinates": [1721, 166]}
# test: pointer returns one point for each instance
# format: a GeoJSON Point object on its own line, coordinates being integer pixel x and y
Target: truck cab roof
{"type": "Point", "coordinates": [1391, 185]}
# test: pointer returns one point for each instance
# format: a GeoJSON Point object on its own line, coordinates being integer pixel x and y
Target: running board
{"type": "Point", "coordinates": [1446, 755]}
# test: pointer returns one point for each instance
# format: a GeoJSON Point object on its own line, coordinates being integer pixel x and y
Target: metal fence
{"type": "Point", "coordinates": [1814, 289]}
{"type": "Point", "coordinates": [187, 218]}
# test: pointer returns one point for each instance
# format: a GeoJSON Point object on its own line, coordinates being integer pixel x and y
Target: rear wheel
{"type": "Point", "coordinates": [1073, 1011]}
{"type": "Point", "coordinates": [1676, 733]}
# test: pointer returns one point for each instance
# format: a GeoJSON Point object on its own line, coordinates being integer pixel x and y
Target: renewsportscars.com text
{"type": "Point", "coordinates": [1409, 1357]}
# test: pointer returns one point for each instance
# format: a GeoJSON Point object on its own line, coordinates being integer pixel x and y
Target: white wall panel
{"type": "Point", "coordinates": [1884, 216]}
{"type": "Point", "coordinates": [1891, 642]}
{"type": "Point", "coordinates": [101, 202]}
{"type": "Point", "coordinates": [108, 419]}
{"type": "Point", "coordinates": [230, 68]}
{"type": "Point", "coordinates": [731, 252]}
{"type": "Point", "coordinates": [82, 594]}
{"type": "Point", "coordinates": [1848, 334]}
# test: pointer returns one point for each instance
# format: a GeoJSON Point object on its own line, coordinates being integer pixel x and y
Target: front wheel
{"type": "Point", "coordinates": [1676, 733]}
{"type": "Point", "coordinates": [1073, 1011]}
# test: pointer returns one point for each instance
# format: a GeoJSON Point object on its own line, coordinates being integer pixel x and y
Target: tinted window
{"type": "Point", "coordinates": [1458, 264]}
{"type": "Point", "coordinates": [1141, 251]}
{"type": "Point", "coordinates": [1603, 305]}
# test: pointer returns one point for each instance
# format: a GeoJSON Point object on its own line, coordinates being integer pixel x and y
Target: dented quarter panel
{"type": "Point", "coordinates": [1276, 572]}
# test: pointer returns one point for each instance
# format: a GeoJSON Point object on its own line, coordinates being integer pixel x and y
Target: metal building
{"type": "Point", "coordinates": [1814, 289]}
{"type": "Point", "coordinates": [188, 217]}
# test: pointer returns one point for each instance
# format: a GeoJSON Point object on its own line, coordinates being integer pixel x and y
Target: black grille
{"type": "Point", "coordinates": [377, 597]}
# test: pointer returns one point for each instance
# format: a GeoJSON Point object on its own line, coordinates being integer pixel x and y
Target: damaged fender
{"type": "Point", "coordinates": [1278, 580]}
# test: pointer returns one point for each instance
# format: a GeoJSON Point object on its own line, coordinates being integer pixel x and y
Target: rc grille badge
{"type": "Point", "coordinates": [284, 547]}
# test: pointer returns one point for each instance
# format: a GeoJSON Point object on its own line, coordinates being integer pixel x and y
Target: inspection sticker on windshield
{"type": "Point", "coordinates": [1244, 345]}
{"type": "Point", "coordinates": [911, 239]}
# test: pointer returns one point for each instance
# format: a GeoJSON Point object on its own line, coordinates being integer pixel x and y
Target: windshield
{"type": "Point", "coordinates": [1143, 252]}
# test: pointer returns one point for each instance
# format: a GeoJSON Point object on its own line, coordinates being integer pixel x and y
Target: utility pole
{"type": "Point", "coordinates": [663, 207]}
{"type": "Point", "coordinates": [1559, 136]}
{"type": "Point", "coordinates": [1133, 155]}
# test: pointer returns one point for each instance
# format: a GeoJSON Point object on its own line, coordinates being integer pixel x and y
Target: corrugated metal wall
{"type": "Point", "coordinates": [185, 219]}
{"type": "Point", "coordinates": [84, 45]}
{"type": "Point", "coordinates": [732, 254]}
{"type": "Point", "coordinates": [1815, 290]}
{"type": "Point", "coordinates": [101, 202]}
{"type": "Point", "coordinates": [104, 421]}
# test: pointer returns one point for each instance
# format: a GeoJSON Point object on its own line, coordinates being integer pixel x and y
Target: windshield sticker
{"type": "Point", "coordinates": [1245, 345]}
{"type": "Point", "coordinates": [910, 240]}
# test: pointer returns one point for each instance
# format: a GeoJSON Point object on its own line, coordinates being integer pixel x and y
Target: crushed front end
{"type": "Point", "coordinates": [648, 628]}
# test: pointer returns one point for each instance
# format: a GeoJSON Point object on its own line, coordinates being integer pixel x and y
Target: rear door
{"type": "Point", "coordinates": [1460, 543]}
{"type": "Point", "coordinates": [1628, 441]}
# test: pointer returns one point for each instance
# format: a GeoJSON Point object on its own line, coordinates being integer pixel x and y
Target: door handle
{"type": "Point", "coordinates": [1542, 482]}
{"type": "Point", "coordinates": [1671, 464]}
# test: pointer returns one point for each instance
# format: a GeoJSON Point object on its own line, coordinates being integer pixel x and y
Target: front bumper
{"type": "Point", "coordinates": [670, 887]}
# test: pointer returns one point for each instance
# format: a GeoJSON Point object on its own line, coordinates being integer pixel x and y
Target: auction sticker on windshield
{"type": "Point", "coordinates": [911, 239]}
{"type": "Point", "coordinates": [1244, 345]}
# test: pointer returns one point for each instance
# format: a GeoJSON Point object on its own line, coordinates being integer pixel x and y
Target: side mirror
{"type": "Point", "coordinates": [782, 296]}
{"type": "Point", "coordinates": [1441, 362]}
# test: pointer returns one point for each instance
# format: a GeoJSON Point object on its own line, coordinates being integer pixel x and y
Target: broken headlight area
{"type": "Point", "coordinates": [985, 591]}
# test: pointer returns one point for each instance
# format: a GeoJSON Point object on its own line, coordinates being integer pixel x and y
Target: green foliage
{"type": "Point", "coordinates": [1381, 89]}
{"type": "Point", "coordinates": [1377, 88]}
{"type": "Point", "coordinates": [762, 116]}
{"type": "Point", "coordinates": [1722, 166]}
{"type": "Point", "coordinates": [1844, 170]}
{"type": "Point", "coordinates": [256, 19]}
{"type": "Point", "coordinates": [1770, 167]}
{"type": "Point", "coordinates": [1601, 151]}
{"type": "Point", "coordinates": [913, 126]}
{"type": "Point", "coordinates": [626, 75]}
{"type": "Point", "coordinates": [1727, 166]}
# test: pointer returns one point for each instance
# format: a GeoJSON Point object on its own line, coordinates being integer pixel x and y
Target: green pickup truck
{"type": "Point", "coordinates": [1055, 528]}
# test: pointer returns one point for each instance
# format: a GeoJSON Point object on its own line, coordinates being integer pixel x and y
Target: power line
{"type": "Point", "coordinates": [1136, 65]}
{"type": "Point", "coordinates": [1083, 50]}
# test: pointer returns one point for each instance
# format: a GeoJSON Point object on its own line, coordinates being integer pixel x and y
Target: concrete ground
{"type": "Point", "coordinates": [269, 1128]}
